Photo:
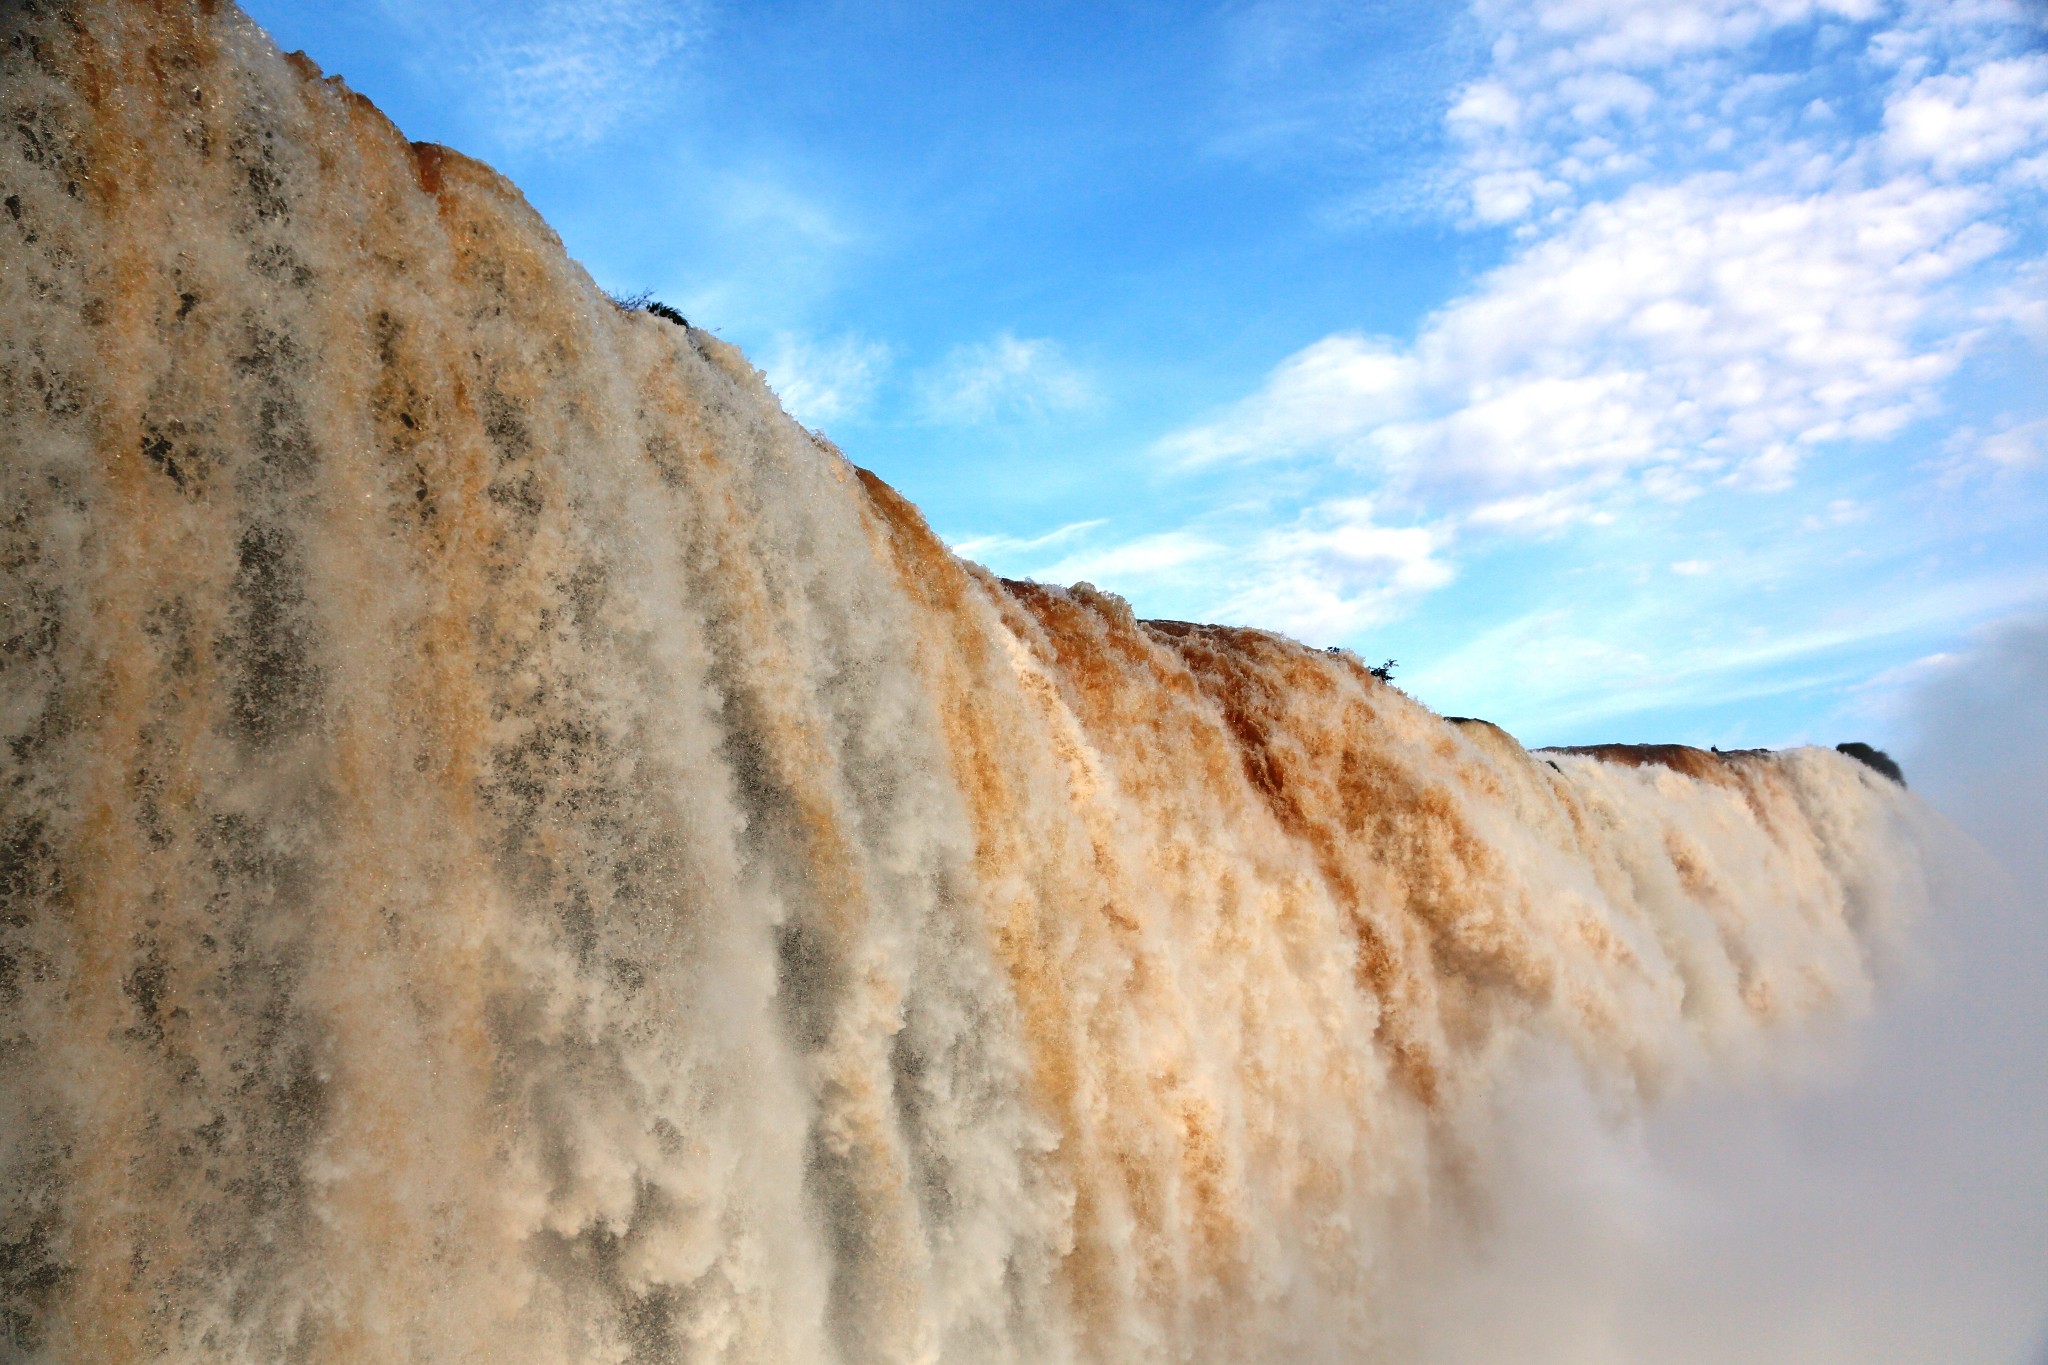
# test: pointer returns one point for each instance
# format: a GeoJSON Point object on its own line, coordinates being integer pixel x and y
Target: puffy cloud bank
{"type": "Point", "coordinates": [1728, 256]}
{"type": "Point", "coordinates": [1746, 247]}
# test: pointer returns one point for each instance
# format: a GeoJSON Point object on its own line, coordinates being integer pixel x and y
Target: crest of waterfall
{"type": "Point", "coordinates": [514, 850]}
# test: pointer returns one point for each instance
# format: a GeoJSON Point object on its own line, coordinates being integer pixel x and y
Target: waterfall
{"type": "Point", "coordinates": [514, 850]}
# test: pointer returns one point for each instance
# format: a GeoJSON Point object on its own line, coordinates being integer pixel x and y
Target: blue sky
{"type": "Point", "coordinates": [1628, 369]}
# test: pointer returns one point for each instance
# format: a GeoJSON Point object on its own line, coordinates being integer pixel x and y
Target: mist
{"type": "Point", "coordinates": [1881, 1196]}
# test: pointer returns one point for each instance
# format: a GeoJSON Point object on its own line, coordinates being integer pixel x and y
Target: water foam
{"type": "Point", "coordinates": [515, 850]}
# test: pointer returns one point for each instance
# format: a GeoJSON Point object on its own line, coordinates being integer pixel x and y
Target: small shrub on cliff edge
{"type": "Point", "coordinates": [1876, 759]}
{"type": "Point", "coordinates": [645, 302]}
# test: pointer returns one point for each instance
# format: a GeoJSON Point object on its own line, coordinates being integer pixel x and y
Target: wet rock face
{"type": "Point", "coordinates": [511, 849]}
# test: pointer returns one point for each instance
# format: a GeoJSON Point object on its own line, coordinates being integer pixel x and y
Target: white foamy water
{"type": "Point", "coordinates": [516, 851]}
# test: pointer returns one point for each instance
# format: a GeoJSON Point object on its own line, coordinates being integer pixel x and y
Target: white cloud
{"type": "Point", "coordinates": [764, 203]}
{"type": "Point", "coordinates": [2023, 302]}
{"type": "Point", "coordinates": [1579, 34]}
{"type": "Point", "coordinates": [1964, 122]}
{"type": "Point", "coordinates": [1147, 559]}
{"type": "Point", "coordinates": [1706, 329]}
{"type": "Point", "coordinates": [1336, 87]}
{"type": "Point", "coordinates": [1328, 573]}
{"type": "Point", "coordinates": [1325, 396]}
{"type": "Point", "coordinates": [1005, 377]}
{"type": "Point", "coordinates": [1334, 572]}
{"type": "Point", "coordinates": [1553, 509]}
{"type": "Point", "coordinates": [2007, 445]}
{"type": "Point", "coordinates": [1594, 97]}
{"type": "Point", "coordinates": [1589, 91]}
{"type": "Point", "coordinates": [771, 246]}
{"type": "Point", "coordinates": [1598, 660]}
{"type": "Point", "coordinates": [1711, 283]}
{"type": "Point", "coordinates": [1838, 512]}
{"type": "Point", "coordinates": [1486, 105]}
{"type": "Point", "coordinates": [1720, 264]}
{"type": "Point", "coordinates": [1587, 95]}
{"type": "Point", "coordinates": [996, 549]}
{"type": "Point", "coordinates": [1331, 571]}
{"type": "Point", "coordinates": [1884, 696]}
{"type": "Point", "coordinates": [558, 72]}
{"type": "Point", "coordinates": [825, 379]}
{"type": "Point", "coordinates": [2018, 446]}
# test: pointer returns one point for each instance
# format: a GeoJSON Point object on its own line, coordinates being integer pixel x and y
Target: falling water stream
{"type": "Point", "coordinates": [514, 850]}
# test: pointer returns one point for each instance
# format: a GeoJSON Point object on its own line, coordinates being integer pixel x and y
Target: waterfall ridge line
{"type": "Point", "coordinates": [515, 850]}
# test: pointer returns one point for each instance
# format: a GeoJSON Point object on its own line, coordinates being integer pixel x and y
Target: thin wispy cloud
{"type": "Point", "coordinates": [825, 379]}
{"type": "Point", "coordinates": [1645, 660]}
{"type": "Point", "coordinates": [1157, 560]}
{"type": "Point", "coordinates": [1350, 90]}
{"type": "Point", "coordinates": [2018, 445]}
{"type": "Point", "coordinates": [997, 549]}
{"type": "Point", "coordinates": [769, 249]}
{"type": "Point", "coordinates": [1005, 377]}
{"type": "Point", "coordinates": [563, 73]}
{"type": "Point", "coordinates": [1334, 572]}
{"type": "Point", "coordinates": [1329, 573]}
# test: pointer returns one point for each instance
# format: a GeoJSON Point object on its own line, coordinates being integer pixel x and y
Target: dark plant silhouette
{"type": "Point", "coordinates": [1385, 672]}
{"type": "Point", "coordinates": [1876, 759]}
{"type": "Point", "coordinates": [645, 302]}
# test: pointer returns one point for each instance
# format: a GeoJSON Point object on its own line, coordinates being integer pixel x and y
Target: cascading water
{"type": "Point", "coordinates": [515, 851]}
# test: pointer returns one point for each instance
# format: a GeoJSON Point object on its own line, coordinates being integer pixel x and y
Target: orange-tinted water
{"type": "Point", "coordinates": [516, 851]}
